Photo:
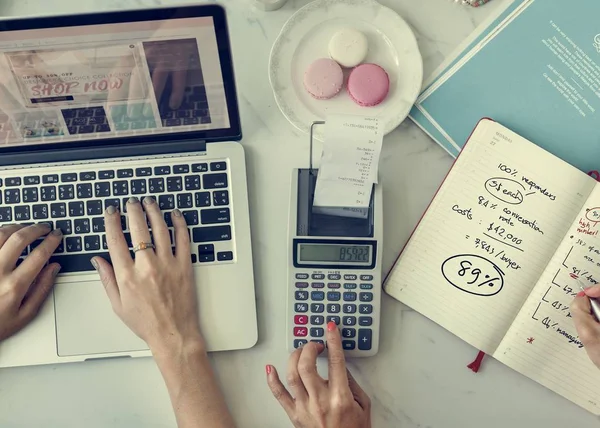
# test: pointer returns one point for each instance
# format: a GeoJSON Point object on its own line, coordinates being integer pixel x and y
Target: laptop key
{"type": "Point", "coordinates": [94, 207]}
{"type": "Point", "coordinates": [143, 172]}
{"type": "Point", "coordinates": [181, 169]}
{"type": "Point", "coordinates": [66, 191]}
{"type": "Point", "coordinates": [215, 215]}
{"type": "Point", "coordinates": [112, 202]}
{"type": "Point", "coordinates": [104, 243]}
{"type": "Point", "coordinates": [202, 199]}
{"type": "Point", "coordinates": [106, 175]}
{"type": "Point", "coordinates": [91, 243]}
{"type": "Point", "coordinates": [211, 234]}
{"type": "Point", "coordinates": [98, 225]}
{"type": "Point", "coordinates": [82, 225]}
{"type": "Point", "coordinates": [12, 196]}
{"type": "Point", "coordinates": [73, 244]}
{"type": "Point", "coordinates": [214, 181]}
{"type": "Point", "coordinates": [168, 219]}
{"type": "Point", "coordinates": [174, 184]}
{"type": "Point", "coordinates": [200, 167]}
{"type": "Point", "coordinates": [102, 189]}
{"type": "Point", "coordinates": [218, 166]}
{"type": "Point", "coordinates": [31, 180]}
{"type": "Point", "coordinates": [22, 213]}
{"type": "Point", "coordinates": [84, 191]}
{"type": "Point", "coordinates": [48, 179]}
{"type": "Point", "coordinates": [225, 256]}
{"type": "Point", "coordinates": [87, 176]}
{"type": "Point", "coordinates": [30, 194]}
{"type": "Point", "coordinates": [192, 182]}
{"type": "Point", "coordinates": [166, 202]}
{"type": "Point", "coordinates": [191, 217]}
{"type": "Point", "coordinates": [76, 209]}
{"type": "Point", "coordinates": [162, 170]}
{"type": "Point", "coordinates": [68, 177]}
{"type": "Point", "coordinates": [120, 188]}
{"type": "Point", "coordinates": [71, 263]}
{"type": "Point", "coordinates": [5, 214]}
{"type": "Point", "coordinates": [156, 185]}
{"type": "Point", "coordinates": [184, 200]}
{"type": "Point", "coordinates": [58, 210]}
{"type": "Point", "coordinates": [138, 187]}
{"type": "Point", "coordinates": [48, 193]}
{"type": "Point", "coordinates": [65, 226]}
{"type": "Point", "coordinates": [13, 181]}
{"type": "Point", "coordinates": [220, 198]}
{"type": "Point", "coordinates": [125, 173]}
{"type": "Point", "coordinates": [40, 211]}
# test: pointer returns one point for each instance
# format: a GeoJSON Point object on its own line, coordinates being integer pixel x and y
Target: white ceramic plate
{"type": "Point", "coordinates": [305, 38]}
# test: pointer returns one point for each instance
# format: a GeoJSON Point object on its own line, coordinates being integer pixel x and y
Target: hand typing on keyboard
{"type": "Point", "coordinates": [319, 403]}
{"type": "Point", "coordinates": [23, 289]}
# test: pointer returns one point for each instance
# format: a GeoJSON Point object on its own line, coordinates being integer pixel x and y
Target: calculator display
{"type": "Point", "coordinates": [335, 253]}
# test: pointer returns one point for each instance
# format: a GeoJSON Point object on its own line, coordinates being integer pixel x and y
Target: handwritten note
{"type": "Point", "coordinates": [349, 165]}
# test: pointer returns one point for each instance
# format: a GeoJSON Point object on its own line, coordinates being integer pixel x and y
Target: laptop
{"type": "Point", "coordinates": [97, 108]}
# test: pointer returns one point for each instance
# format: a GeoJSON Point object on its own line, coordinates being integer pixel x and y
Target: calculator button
{"type": "Point", "coordinates": [334, 296]}
{"type": "Point", "coordinates": [300, 331]}
{"type": "Point", "coordinates": [301, 295]}
{"type": "Point", "coordinates": [334, 277]}
{"type": "Point", "coordinates": [333, 285]}
{"type": "Point", "coordinates": [349, 309]}
{"type": "Point", "coordinates": [350, 277]}
{"type": "Point", "coordinates": [318, 276]}
{"type": "Point", "coordinates": [348, 321]}
{"type": "Point", "coordinates": [366, 297]}
{"type": "Point", "coordinates": [366, 309]}
{"type": "Point", "coordinates": [334, 319]}
{"type": "Point", "coordinates": [317, 308]}
{"type": "Point", "coordinates": [317, 285]}
{"type": "Point", "coordinates": [366, 277]}
{"type": "Point", "coordinates": [366, 286]}
{"type": "Point", "coordinates": [301, 276]}
{"type": "Point", "coordinates": [349, 296]}
{"type": "Point", "coordinates": [317, 295]}
{"type": "Point", "coordinates": [301, 307]}
{"type": "Point", "coordinates": [348, 332]}
{"type": "Point", "coordinates": [317, 332]}
{"type": "Point", "coordinates": [300, 320]}
{"type": "Point", "coordinates": [348, 345]}
{"type": "Point", "coordinates": [302, 284]}
{"type": "Point", "coordinates": [317, 319]}
{"type": "Point", "coordinates": [333, 308]}
{"type": "Point", "coordinates": [365, 337]}
{"type": "Point", "coordinates": [365, 321]}
{"type": "Point", "coordinates": [350, 285]}
{"type": "Point", "coordinates": [299, 342]}
{"type": "Point", "coordinates": [318, 341]}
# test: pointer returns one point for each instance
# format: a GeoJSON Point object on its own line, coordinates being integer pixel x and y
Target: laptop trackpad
{"type": "Point", "coordinates": [86, 323]}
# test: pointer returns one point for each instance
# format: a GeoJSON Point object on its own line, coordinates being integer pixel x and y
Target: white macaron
{"type": "Point", "coordinates": [348, 47]}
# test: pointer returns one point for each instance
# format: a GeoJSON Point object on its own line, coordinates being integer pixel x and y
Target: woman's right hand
{"type": "Point", "coordinates": [318, 403]}
{"type": "Point", "coordinates": [588, 328]}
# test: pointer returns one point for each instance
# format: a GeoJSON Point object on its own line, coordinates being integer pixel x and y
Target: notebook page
{"type": "Point", "coordinates": [488, 235]}
{"type": "Point", "coordinates": [542, 343]}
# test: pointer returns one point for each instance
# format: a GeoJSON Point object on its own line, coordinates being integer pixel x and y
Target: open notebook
{"type": "Point", "coordinates": [491, 259]}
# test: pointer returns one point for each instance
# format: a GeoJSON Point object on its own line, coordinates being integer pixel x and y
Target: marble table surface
{"type": "Point", "coordinates": [419, 378]}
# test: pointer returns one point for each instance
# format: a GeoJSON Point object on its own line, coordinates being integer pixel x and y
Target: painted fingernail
{"type": "Point", "coordinates": [331, 326]}
{"type": "Point", "coordinates": [56, 270]}
{"type": "Point", "coordinates": [57, 232]}
{"type": "Point", "coordinates": [94, 263]}
{"type": "Point", "coordinates": [177, 213]}
{"type": "Point", "coordinates": [133, 200]}
{"type": "Point", "coordinates": [111, 210]}
{"type": "Point", "coordinates": [581, 294]}
{"type": "Point", "coordinates": [269, 369]}
{"type": "Point", "coordinates": [149, 200]}
{"type": "Point", "coordinates": [43, 225]}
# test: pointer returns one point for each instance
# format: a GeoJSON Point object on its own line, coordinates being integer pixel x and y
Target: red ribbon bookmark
{"type": "Point", "coordinates": [476, 365]}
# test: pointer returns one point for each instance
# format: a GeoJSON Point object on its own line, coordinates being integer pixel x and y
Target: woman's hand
{"type": "Point", "coordinates": [587, 326]}
{"type": "Point", "coordinates": [317, 403]}
{"type": "Point", "coordinates": [24, 289]}
{"type": "Point", "coordinates": [154, 294]}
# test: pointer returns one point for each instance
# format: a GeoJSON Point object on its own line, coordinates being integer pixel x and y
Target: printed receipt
{"type": "Point", "coordinates": [350, 161]}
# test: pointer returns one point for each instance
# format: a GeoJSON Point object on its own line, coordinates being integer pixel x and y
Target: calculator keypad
{"type": "Point", "coordinates": [345, 299]}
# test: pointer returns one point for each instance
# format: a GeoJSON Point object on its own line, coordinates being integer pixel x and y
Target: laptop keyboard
{"type": "Point", "coordinates": [75, 202]}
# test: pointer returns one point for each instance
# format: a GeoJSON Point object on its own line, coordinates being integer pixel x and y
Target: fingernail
{"type": "Point", "coordinates": [149, 200]}
{"type": "Point", "coordinates": [177, 213]}
{"type": "Point", "coordinates": [331, 326]}
{"type": "Point", "coordinates": [56, 270]}
{"type": "Point", "coordinates": [111, 210]}
{"type": "Point", "coordinates": [133, 200]}
{"type": "Point", "coordinates": [43, 225]}
{"type": "Point", "coordinates": [57, 232]}
{"type": "Point", "coordinates": [94, 263]}
{"type": "Point", "coordinates": [268, 368]}
{"type": "Point", "coordinates": [581, 294]}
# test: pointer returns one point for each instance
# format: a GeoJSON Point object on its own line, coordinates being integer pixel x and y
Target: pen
{"type": "Point", "coordinates": [595, 304]}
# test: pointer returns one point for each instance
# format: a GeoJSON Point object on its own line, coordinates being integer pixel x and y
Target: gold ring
{"type": "Point", "coordinates": [143, 246]}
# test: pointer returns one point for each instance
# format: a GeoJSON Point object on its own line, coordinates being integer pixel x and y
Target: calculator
{"type": "Point", "coordinates": [334, 269]}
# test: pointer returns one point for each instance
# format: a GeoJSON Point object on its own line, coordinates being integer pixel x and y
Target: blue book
{"type": "Point", "coordinates": [536, 69]}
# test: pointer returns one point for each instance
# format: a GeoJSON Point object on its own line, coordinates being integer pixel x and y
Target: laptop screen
{"type": "Point", "coordinates": [112, 80]}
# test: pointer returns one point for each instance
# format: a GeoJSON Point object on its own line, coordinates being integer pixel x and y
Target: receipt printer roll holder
{"type": "Point", "coordinates": [324, 221]}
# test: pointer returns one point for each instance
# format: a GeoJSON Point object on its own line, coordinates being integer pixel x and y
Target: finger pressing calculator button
{"type": "Point", "coordinates": [334, 285]}
{"type": "Point", "coordinates": [299, 342]}
{"type": "Point", "coordinates": [301, 295]}
{"type": "Point", "coordinates": [366, 286]}
{"type": "Point", "coordinates": [365, 321]}
{"type": "Point", "coordinates": [348, 321]}
{"type": "Point", "coordinates": [334, 277]}
{"type": "Point", "coordinates": [302, 284]}
{"type": "Point", "coordinates": [300, 319]}
{"type": "Point", "coordinates": [301, 276]}
{"type": "Point", "coordinates": [317, 332]}
{"type": "Point", "coordinates": [318, 285]}
{"type": "Point", "coordinates": [350, 285]}
{"type": "Point", "coordinates": [317, 295]}
{"type": "Point", "coordinates": [366, 277]}
{"type": "Point", "coordinates": [300, 331]}
{"type": "Point", "coordinates": [318, 276]}
{"type": "Point", "coordinates": [319, 341]}
{"type": "Point", "coordinates": [333, 308]}
{"type": "Point", "coordinates": [333, 319]}
{"type": "Point", "coordinates": [333, 296]}
{"type": "Point", "coordinates": [366, 297]}
{"type": "Point", "coordinates": [366, 309]}
{"type": "Point", "coordinates": [348, 345]}
{"type": "Point", "coordinates": [365, 336]}
{"type": "Point", "coordinates": [301, 307]}
{"type": "Point", "coordinates": [317, 319]}
{"type": "Point", "coordinates": [350, 277]}
{"type": "Point", "coordinates": [349, 308]}
{"type": "Point", "coordinates": [349, 296]}
{"type": "Point", "coordinates": [348, 332]}
{"type": "Point", "coordinates": [317, 308]}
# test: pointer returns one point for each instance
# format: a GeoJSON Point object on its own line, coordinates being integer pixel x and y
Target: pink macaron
{"type": "Point", "coordinates": [368, 85]}
{"type": "Point", "coordinates": [323, 79]}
